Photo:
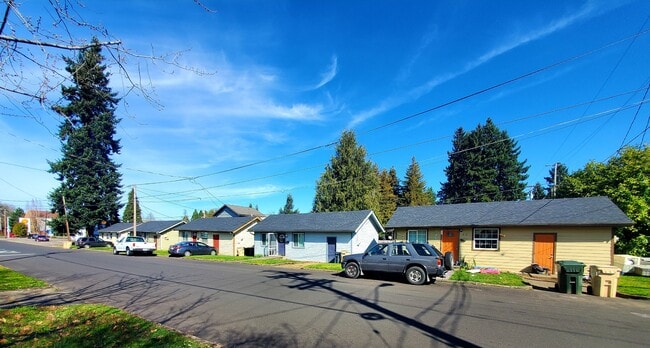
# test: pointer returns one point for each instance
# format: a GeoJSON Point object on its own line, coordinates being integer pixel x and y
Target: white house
{"type": "Point", "coordinates": [319, 237]}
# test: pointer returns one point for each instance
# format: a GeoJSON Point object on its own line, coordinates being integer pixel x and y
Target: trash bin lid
{"type": "Point", "coordinates": [569, 266]}
{"type": "Point", "coordinates": [606, 269]}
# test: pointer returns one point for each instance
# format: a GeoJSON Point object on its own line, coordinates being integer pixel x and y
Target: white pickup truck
{"type": "Point", "coordinates": [131, 245]}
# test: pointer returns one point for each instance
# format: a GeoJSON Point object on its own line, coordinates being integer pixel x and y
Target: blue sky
{"type": "Point", "coordinates": [287, 76]}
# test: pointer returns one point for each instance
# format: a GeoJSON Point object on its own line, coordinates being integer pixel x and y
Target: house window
{"type": "Point", "coordinates": [298, 240]}
{"type": "Point", "coordinates": [185, 236]}
{"type": "Point", "coordinates": [417, 236]}
{"type": "Point", "coordinates": [486, 238]}
{"type": "Point", "coordinates": [264, 239]}
{"type": "Point", "coordinates": [204, 237]}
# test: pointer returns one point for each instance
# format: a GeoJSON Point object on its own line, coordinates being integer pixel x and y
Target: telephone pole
{"type": "Point", "coordinates": [135, 210]}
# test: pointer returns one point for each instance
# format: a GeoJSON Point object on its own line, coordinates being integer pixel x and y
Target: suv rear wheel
{"type": "Point", "coordinates": [415, 275]}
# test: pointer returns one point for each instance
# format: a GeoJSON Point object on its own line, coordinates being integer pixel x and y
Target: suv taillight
{"type": "Point", "coordinates": [439, 262]}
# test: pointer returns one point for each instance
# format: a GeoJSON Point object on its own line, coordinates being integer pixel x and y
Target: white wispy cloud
{"type": "Point", "coordinates": [587, 10]}
{"type": "Point", "coordinates": [330, 74]}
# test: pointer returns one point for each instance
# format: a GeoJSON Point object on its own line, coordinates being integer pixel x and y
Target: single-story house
{"type": "Point", "coordinates": [511, 236]}
{"type": "Point", "coordinates": [318, 237]}
{"type": "Point", "coordinates": [164, 233]}
{"type": "Point", "coordinates": [230, 236]}
{"type": "Point", "coordinates": [116, 231]}
{"type": "Point", "coordinates": [229, 210]}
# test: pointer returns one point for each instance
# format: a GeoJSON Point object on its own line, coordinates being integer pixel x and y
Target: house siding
{"type": "Point", "coordinates": [168, 239]}
{"type": "Point", "coordinates": [589, 245]}
{"type": "Point", "coordinates": [362, 238]}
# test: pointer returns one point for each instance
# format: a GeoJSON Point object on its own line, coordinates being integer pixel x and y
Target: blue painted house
{"type": "Point", "coordinates": [318, 237]}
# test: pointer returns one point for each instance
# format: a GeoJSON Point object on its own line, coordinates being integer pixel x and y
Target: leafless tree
{"type": "Point", "coordinates": [32, 50]}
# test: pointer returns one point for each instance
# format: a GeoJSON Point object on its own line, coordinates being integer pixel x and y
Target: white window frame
{"type": "Point", "coordinates": [417, 234]}
{"type": "Point", "coordinates": [482, 236]}
{"type": "Point", "coordinates": [185, 236]}
{"type": "Point", "coordinates": [264, 239]}
{"type": "Point", "coordinates": [298, 242]}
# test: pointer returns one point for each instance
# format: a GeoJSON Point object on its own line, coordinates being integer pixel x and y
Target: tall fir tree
{"type": "Point", "coordinates": [90, 181]}
{"type": "Point", "coordinates": [288, 206]}
{"type": "Point", "coordinates": [484, 166]}
{"type": "Point", "coordinates": [127, 216]}
{"type": "Point", "coordinates": [388, 199]}
{"type": "Point", "coordinates": [457, 188]}
{"type": "Point", "coordinates": [350, 180]}
{"type": "Point", "coordinates": [415, 188]}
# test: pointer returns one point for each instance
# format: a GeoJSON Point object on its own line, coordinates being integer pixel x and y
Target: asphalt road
{"type": "Point", "coordinates": [244, 305]}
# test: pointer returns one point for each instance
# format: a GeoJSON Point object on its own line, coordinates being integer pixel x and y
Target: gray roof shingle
{"type": "Point", "coordinates": [588, 211]}
{"type": "Point", "coordinates": [212, 224]}
{"type": "Point", "coordinates": [348, 221]}
{"type": "Point", "coordinates": [158, 226]}
{"type": "Point", "coordinates": [118, 227]}
{"type": "Point", "coordinates": [239, 210]}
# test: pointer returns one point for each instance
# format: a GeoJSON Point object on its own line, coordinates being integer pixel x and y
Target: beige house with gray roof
{"type": "Point", "coordinates": [511, 236]}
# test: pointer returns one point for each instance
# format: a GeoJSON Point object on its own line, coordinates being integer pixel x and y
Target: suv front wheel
{"type": "Point", "coordinates": [352, 270]}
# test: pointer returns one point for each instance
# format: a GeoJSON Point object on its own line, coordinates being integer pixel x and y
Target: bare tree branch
{"type": "Point", "coordinates": [57, 45]}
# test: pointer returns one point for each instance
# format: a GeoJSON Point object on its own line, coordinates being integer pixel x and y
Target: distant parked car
{"type": "Point", "coordinates": [418, 262]}
{"type": "Point", "coordinates": [191, 248]}
{"type": "Point", "coordinates": [89, 242]}
{"type": "Point", "coordinates": [32, 235]}
{"type": "Point", "coordinates": [42, 238]}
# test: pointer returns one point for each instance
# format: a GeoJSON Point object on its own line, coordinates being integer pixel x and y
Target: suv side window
{"type": "Point", "coordinates": [379, 249]}
{"type": "Point", "coordinates": [400, 250]}
{"type": "Point", "coordinates": [422, 250]}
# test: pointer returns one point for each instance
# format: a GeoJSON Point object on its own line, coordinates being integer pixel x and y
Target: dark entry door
{"type": "Point", "coordinates": [331, 249]}
{"type": "Point", "coordinates": [282, 244]}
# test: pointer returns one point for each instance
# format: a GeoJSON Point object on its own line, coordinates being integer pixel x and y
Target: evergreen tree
{"type": "Point", "coordinates": [398, 189]}
{"type": "Point", "coordinates": [415, 189]}
{"type": "Point", "coordinates": [288, 207]}
{"type": "Point", "coordinates": [552, 183]}
{"type": "Point", "coordinates": [349, 182]}
{"type": "Point", "coordinates": [15, 216]}
{"type": "Point", "coordinates": [388, 199]}
{"type": "Point", "coordinates": [127, 216]}
{"type": "Point", "coordinates": [90, 181]}
{"type": "Point", "coordinates": [196, 214]}
{"type": "Point", "coordinates": [457, 188]}
{"type": "Point", "coordinates": [625, 179]}
{"type": "Point", "coordinates": [484, 166]}
{"type": "Point", "coordinates": [538, 192]}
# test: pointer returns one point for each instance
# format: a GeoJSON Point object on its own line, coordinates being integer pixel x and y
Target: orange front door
{"type": "Point", "coordinates": [544, 250]}
{"type": "Point", "coordinates": [450, 239]}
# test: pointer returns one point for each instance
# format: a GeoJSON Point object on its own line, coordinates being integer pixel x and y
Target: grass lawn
{"type": "Point", "coordinates": [11, 280]}
{"type": "Point", "coordinates": [504, 278]}
{"type": "Point", "coordinates": [84, 325]}
{"type": "Point", "coordinates": [634, 285]}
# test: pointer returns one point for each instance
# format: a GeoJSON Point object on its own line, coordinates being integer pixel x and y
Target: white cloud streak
{"type": "Point", "coordinates": [586, 11]}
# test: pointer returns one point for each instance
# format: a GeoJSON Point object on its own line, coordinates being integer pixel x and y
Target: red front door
{"type": "Point", "coordinates": [215, 241]}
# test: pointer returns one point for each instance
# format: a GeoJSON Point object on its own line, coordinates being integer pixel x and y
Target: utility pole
{"type": "Point", "coordinates": [554, 179]}
{"type": "Point", "coordinates": [67, 226]}
{"type": "Point", "coordinates": [135, 210]}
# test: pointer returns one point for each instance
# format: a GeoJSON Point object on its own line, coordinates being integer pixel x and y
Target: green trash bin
{"type": "Point", "coordinates": [569, 278]}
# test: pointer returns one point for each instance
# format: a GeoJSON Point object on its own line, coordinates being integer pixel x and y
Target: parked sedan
{"type": "Point", "coordinates": [42, 238]}
{"type": "Point", "coordinates": [418, 262]}
{"type": "Point", "coordinates": [89, 242]}
{"type": "Point", "coordinates": [191, 248]}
